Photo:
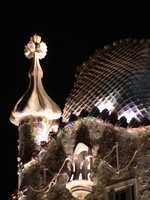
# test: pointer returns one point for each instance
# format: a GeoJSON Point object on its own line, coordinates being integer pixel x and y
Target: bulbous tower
{"type": "Point", "coordinates": [36, 115]}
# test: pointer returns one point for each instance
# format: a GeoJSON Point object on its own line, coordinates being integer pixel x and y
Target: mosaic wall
{"type": "Point", "coordinates": [118, 155]}
{"type": "Point", "coordinates": [133, 147]}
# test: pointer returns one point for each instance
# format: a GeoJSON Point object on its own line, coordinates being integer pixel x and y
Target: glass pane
{"type": "Point", "coordinates": [121, 195]}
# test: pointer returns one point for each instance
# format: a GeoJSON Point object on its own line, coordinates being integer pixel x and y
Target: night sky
{"type": "Point", "coordinates": [72, 33]}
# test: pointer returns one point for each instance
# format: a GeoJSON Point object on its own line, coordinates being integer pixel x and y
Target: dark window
{"type": "Point", "coordinates": [123, 194]}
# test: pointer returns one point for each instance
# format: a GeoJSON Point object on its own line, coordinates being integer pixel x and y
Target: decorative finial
{"type": "Point", "coordinates": [35, 45]}
{"type": "Point", "coordinates": [80, 184]}
{"type": "Point", "coordinates": [35, 102]}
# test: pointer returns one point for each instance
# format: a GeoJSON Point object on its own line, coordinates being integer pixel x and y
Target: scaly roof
{"type": "Point", "coordinates": [116, 79]}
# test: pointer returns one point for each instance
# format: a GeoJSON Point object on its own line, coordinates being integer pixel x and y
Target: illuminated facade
{"type": "Point", "coordinates": [101, 151]}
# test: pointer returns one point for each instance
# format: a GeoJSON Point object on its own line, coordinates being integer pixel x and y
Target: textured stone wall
{"type": "Point", "coordinates": [40, 158]}
{"type": "Point", "coordinates": [133, 154]}
{"type": "Point", "coordinates": [44, 174]}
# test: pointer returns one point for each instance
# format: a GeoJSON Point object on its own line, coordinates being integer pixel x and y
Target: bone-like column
{"type": "Point", "coordinates": [36, 115]}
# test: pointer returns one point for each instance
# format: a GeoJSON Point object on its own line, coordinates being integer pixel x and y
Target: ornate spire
{"type": "Point", "coordinates": [35, 102]}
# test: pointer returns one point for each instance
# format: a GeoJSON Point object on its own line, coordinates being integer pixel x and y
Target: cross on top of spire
{"type": "Point", "coordinates": [35, 45]}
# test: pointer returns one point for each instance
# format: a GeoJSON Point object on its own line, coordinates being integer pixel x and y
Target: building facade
{"type": "Point", "coordinates": [101, 149]}
{"type": "Point", "coordinates": [113, 87]}
{"type": "Point", "coordinates": [120, 159]}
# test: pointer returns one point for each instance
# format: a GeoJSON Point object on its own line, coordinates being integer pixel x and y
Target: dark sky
{"type": "Point", "coordinates": [72, 33]}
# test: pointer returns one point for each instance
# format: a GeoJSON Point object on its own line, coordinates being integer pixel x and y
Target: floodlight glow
{"type": "Point", "coordinates": [106, 105]}
{"type": "Point", "coordinates": [129, 114]}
